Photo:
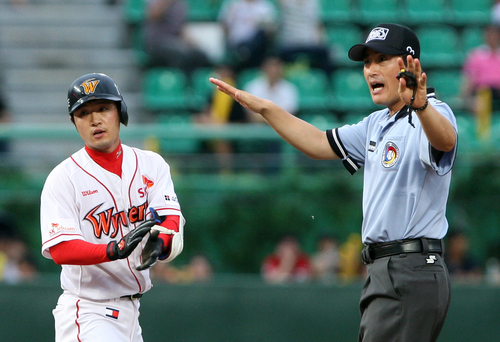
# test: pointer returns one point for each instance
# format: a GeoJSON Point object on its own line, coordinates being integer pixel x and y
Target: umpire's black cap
{"type": "Point", "coordinates": [391, 39]}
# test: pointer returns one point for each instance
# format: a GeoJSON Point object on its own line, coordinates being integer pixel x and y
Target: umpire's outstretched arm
{"type": "Point", "coordinates": [305, 137]}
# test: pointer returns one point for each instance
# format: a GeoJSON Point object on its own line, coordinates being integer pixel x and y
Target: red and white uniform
{"type": "Point", "coordinates": [82, 200]}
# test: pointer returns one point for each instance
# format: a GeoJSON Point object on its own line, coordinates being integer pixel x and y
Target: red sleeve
{"type": "Point", "coordinates": [78, 252]}
{"type": "Point", "coordinates": [171, 222]}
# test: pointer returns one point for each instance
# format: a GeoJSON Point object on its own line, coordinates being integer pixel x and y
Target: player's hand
{"type": "Point", "coordinates": [153, 249]}
{"type": "Point", "coordinates": [123, 248]}
{"type": "Point", "coordinates": [251, 102]}
{"type": "Point", "coordinates": [155, 245]}
{"type": "Point", "coordinates": [406, 93]}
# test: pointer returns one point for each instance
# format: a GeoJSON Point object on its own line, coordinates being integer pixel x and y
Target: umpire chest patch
{"type": "Point", "coordinates": [391, 154]}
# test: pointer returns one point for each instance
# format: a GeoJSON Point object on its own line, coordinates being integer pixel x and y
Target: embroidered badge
{"type": "Point", "coordinates": [391, 154]}
{"type": "Point", "coordinates": [378, 33]}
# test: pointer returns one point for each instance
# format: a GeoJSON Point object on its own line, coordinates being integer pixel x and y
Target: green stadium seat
{"type": "Point", "coordinates": [134, 11]}
{"type": "Point", "coordinates": [466, 124]}
{"type": "Point", "coordinates": [164, 89]}
{"type": "Point", "coordinates": [440, 46]}
{"type": "Point", "coordinates": [447, 83]}
{"type": "Point", "coordinates": [203, 10]}
{"type": "Point", "coordinates": [340, 39]}
{"type": "Point", "coordinates": [246, 76]}
{"type": "Point", "coordinates": [186, 145]}
{"type": "Point", "coordinates": [313, 88]}
{"type": "Point", "coordinates": [201, 88]}
{"type": "Point", "coordinates": [336, 11]}
{"type": "Point", "coordinates": [350, 91]}
{"type": "Point", "coordinates": [468, 12]}
{"type": "Point", "coordinates": [472, 37]}
{"type": "Point", "coordinates": [378, 11]}
{"type": "Point", "coordinates": [137, 45]}
{"type": "Point", "coordinates": [322, 120]}
{"type": "Point", "coordinates": [352, 118]}
{"type": "Point", "coordinates": [425, 11]}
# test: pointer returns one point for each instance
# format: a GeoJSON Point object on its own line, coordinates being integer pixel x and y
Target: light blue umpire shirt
{"type": "Point", "coordinates": [406, 180]}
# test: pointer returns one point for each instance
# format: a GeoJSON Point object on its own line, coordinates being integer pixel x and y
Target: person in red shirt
{"type": "Point", "coordinates": [288, 263]}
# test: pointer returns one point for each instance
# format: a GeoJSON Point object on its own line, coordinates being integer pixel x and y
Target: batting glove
{"type": "Point", "coordinates": [152, 250]}
{"type": "Point", "coordinates": [123, 248]}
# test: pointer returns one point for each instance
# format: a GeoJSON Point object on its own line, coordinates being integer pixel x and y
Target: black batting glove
{"type": "Point", "coordinates": [123, 248]}
{"type": "Point", "coordinates": [153, 249]}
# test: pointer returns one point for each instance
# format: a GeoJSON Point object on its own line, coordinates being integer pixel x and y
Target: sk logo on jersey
{"type": "Point", "coordinates": [90, 85]}
{"type": "Point", "coordinates": [147, 184]}
{"type": "Point", "coordinates": [107, 223]}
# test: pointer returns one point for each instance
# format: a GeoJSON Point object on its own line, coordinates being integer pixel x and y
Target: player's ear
{"type": "Point", "coordinates": [72, 119]}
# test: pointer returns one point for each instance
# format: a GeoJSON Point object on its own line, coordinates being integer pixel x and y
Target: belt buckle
{"type": "Point", "coordinates": [365, 255]}
{"type": "Point", "coordinates": [135, 296]}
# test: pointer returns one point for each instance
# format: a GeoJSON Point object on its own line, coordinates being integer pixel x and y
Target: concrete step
{"type": "Point", "coordinates": [59, 79]}
{"type": "Point", "coordinates": [60, 57]}
{"type": "Point", "coordinates": [51, 106]}
{"type": "Point", "coordinates": [56, 36]}
{"type": "Point", "coordinates": [66, 13]}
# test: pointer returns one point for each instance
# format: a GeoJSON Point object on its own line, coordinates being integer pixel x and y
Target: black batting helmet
{"type": "Point", "coordinates": [93, 87]}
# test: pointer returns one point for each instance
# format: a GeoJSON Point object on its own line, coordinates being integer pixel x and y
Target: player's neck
{"type": "Point", "coordinates": [111, 162]}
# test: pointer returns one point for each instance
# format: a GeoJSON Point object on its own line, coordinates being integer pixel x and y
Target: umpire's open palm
{"type": "Point", "coordinates": [251, 102]}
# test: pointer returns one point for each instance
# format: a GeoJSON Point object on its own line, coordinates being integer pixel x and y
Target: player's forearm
{"type": "Point", "coordinates": [300, 134]}
{"type": "Point", "coordinates": [438, 129]}
{"type": "Point", "coordinates": [78, 252]}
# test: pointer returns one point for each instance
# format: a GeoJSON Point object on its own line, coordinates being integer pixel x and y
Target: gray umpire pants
{"type": "Point", "coordinates": [405, 299]}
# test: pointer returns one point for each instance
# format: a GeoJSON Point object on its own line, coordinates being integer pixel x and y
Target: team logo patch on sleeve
{"type": "Point", "coordinates": [113, 313]}
{"type": "Point", "coordinates": [391, 154]}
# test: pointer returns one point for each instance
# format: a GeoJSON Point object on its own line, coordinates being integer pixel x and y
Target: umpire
{"type": "Point", "coordinates": [408, 150]}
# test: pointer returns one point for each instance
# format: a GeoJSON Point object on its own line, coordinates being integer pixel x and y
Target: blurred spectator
{"type": "Point", "coordinates": [481, 72]}
{"type": "Point", "coordinates": [326, 259]}
{"type": "Point", "coordinates": [16, 264]}
{"type": "Point", "coordinates": [4, 118]}
{"type": "Point", "coordinates": [351, 266]}
{"type": "Point", "coordinates": [302, 34]}
{"type": "Point", "coordinates": [222, 109]}
{"type": "Point", "coordinates": [166, 42]}
{"type": "Point", "coordinates": [249, 27]}
{"type": "Point", "coordinates": [287, 264]}
{"type": "Point", "coordinates": [273, 86]}
{"type": "Point", "coordinates": [199, 269]}
{"type": "Point", "coordinates": [461, 264]}
{"type": "Point", "coordinates": [495, 13]}
{"type": "Point", "coordinates": [492, 264]}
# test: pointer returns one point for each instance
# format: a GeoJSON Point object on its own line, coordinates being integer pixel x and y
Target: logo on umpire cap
{"type": "Point", "coordinates": [90, 85]}
{"type": "Point", "coordinates": [378, 33]}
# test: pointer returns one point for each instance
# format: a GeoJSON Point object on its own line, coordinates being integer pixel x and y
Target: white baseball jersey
{"type": "Point", "coordinates": [81, 200]}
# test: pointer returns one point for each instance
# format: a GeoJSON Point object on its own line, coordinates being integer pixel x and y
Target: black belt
{"type": "Point", "coordinates": [384, 249]}
{"type": "Point", "coordinates": [134, 296]}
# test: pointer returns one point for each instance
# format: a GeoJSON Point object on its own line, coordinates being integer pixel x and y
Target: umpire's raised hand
{"type": "Point", "coordinates": [251, 102]}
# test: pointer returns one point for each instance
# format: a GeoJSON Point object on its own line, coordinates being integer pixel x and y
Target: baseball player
{"type": "Point", "coordinates": [408, 150]}
{"type": "Point", "coordinates": [108, 213]}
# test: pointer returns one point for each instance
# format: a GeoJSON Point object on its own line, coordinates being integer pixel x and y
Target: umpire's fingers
{"type": "Point", "coordinates": [247, 100]}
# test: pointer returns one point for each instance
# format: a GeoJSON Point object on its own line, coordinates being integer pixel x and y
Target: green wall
{"type": "Point", "coordinates": [241, 309]}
